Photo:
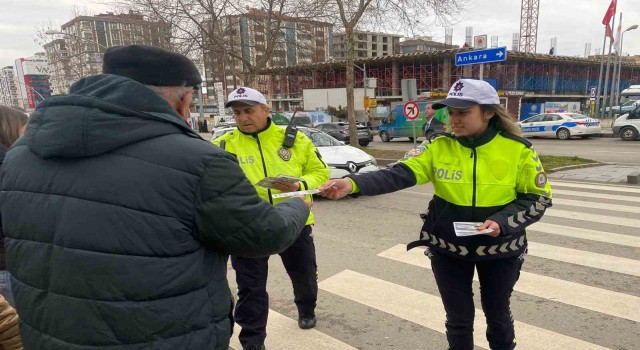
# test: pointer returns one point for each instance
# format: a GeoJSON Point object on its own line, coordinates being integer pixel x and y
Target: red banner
{"type": "Point", "coordinates": [611, 11]}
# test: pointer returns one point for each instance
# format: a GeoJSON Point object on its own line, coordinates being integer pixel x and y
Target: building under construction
{"type": "Point", "coordinates": [523, 77]}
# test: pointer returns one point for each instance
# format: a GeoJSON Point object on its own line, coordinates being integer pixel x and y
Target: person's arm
{"type": "Point", "coordinates": [9, 332]}
{"type": "Point", "coordinates": [315, 171]}
{"type": "Point", "coordinates": [533, 196]}
{"type": "Point", "coordinates": [403, 174]}
{"type": "Point", "coordinates": [232, 218]}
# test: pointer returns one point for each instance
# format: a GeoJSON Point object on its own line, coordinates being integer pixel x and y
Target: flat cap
{"type": "Point", "coordinates": [151, 65]}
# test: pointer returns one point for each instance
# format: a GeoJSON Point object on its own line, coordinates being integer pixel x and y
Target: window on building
{"type": "Point", "coordinates": [374, 38]}
{"type": "Point", "coordinates": [384, 39]}
{"type": "Point", "coordinates": [374, 47]}
{"type": "Point", "coordinates": [384, 47]}
{"type": "Point", "coordinates": [374, 54]}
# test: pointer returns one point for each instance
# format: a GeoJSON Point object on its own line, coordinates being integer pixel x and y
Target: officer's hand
{"type": "Point", "coordinates": [336, 188]}
{"type": "Point", "coordinates": [287, 186]}
{"type": "Point", "coordinates": [492, 225]}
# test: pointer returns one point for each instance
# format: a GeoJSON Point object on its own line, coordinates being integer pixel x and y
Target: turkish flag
{"type": "Point", "coordinates": [611, 11]}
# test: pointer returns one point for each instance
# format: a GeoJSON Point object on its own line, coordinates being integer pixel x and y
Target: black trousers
{"type": "Point", "coordinates": [497, 278]}
{"type": "Point", "coordinates": [252, 309]}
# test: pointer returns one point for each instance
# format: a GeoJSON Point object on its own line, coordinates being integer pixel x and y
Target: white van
{"type": "Point", "coordinates": [627, 126]}
{"type": "Point", "coordinates": [632, 93]}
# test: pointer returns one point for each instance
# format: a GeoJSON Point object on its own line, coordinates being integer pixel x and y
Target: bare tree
{"type": "Point", "coordinates": [397, 15]}
{"type": "Point", "coordinates": [212, 29]}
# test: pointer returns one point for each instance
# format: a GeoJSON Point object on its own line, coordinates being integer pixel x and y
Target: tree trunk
{"type": "Point", "coordinates": [351, 113]}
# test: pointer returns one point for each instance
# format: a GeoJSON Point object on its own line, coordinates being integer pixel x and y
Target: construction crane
{"type": "Point", "coordinates": [529, 25]}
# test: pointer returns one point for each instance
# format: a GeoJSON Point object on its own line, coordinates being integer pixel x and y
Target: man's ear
{"type": "Point", "coordinates": [182, 105]}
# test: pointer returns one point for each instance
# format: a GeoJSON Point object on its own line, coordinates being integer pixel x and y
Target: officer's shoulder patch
{"type": "Point", "coordinates": [520, 139]}
{"type": "Point", "coordinates": [541, 180]}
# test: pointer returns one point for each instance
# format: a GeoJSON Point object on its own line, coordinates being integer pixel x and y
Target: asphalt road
{"type": "Point", "coordinates": [580, 286]}
{"type": "Point", "coordinates": [604, 149]}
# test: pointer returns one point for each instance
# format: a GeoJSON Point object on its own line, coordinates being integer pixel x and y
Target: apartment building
{"type": "Point", "coordinates": [9, 92]}
{"type": "Point", "coordinates": [423, 44]}
{"type": "Point", "coordinates": [245, 35]}
{"type": "Point", "coordinates": [367, 45]}
{"type": "Point", "coordinates": [78, 50]}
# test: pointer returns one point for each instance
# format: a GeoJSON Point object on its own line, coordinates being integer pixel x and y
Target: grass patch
{"type": "Point", "coordinates": [548, 162]}
{"type": "Point", "coordinates": [553, 162]}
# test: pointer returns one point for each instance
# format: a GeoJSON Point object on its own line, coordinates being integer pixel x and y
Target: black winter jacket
{"type": "Point", "coordinates": [120, 220]}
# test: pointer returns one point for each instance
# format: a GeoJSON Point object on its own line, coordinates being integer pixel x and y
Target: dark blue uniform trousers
{"type": "Point", "coordinates": [497, 278]}
{"type": "Point", "coordinates": [252, 309]}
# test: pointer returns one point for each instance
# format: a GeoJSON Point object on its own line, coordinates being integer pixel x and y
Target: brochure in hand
{"type": "Point", "coordinates": [464, 229]}
{"type": "Point", "coordinates": [268, 181]}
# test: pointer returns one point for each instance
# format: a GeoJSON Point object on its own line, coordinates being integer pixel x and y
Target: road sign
{"type": "Point", "coordinates": [592, 95]}
{"type": "Point", "coordinates": [497, 54]}
{"type": "Point", "coordinates": [480, 41]}
{"type": "Point", "coordinates": [411, 110]}
{"type": "Point", "coordinates": [366, 102]}
{"type": "Point", "coordinates": [373, 103]}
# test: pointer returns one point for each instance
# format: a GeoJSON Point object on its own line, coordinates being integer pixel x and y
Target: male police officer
{"type": "Point", "coordinates": [263, 150]}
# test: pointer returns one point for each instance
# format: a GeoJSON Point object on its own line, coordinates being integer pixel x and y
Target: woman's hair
{"type": "Point", "coordinates": [501, 119]}
{"type": "Point", "coordinates": [11, 123]}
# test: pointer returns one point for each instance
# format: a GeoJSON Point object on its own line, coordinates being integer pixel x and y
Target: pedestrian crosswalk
{"type": "Point", "coordinates": [583, 259]}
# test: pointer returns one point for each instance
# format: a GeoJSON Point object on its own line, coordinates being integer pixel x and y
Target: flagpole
{"type": "Point", "coordinates": [599, 97]}
{"type": "Point", "coordinates": [619, 69]}
{"type": "Point", "coordinates": [606, 74]}
{"type": "Point", "coordinates": [612, 101]}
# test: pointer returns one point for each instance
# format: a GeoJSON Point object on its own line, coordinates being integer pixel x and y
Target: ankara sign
{"type": "Point", "coordinates": [496, 54]}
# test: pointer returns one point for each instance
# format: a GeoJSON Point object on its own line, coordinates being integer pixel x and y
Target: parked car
{"type": "Point", "coordinates": [625, 108]}
{"type": "Point", "coordinates": [340, 131]}
{"type": "Point", "coordinates": [560, 125]}
{"type": "Point", "coordinates": [627, 126]}
{"type": "Point", "coordinates": [219, 131]}
{"type": "Point", "coordinates": [342, 159]}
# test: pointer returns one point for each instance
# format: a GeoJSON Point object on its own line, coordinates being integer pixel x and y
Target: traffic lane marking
{"type": "Point", "coordinates": [585, 258]}
{"type": "Point", "coordinates": [427, 310]}
{"type": "Point", "coordinates": [566, 292]}
{"type": "Point", "coordinates": [284, 334]}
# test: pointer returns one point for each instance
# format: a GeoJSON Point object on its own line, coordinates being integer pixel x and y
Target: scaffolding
{"type": "Point", "coordinates": [435, 71]}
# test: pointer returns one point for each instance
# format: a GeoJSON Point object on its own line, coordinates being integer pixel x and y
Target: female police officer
{"type": "Point", "coordinates": [486, 177]}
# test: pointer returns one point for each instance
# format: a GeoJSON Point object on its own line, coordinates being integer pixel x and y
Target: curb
{"type": "Point", "coordinates": [577, 166]}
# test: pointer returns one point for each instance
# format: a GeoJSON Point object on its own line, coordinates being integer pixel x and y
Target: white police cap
{"type": "Point", "coordinates": [467, 93]}
{"type": "Point", "coordinates": [247, 96]}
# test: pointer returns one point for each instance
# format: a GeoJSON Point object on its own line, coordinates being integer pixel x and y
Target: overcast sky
{"type": "Point", "coordinates": [572, 22]}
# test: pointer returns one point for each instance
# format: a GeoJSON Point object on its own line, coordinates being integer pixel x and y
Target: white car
{"type": "Point", "coordinates": [627, 126]}
{"type": "Point", "coordinates": [560, 125]}
{"type": "Point", "coordinates": [342, 159]}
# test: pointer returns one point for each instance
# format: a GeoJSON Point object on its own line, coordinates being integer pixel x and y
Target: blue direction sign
{"type": "Point", "coordinates": [496, 54]}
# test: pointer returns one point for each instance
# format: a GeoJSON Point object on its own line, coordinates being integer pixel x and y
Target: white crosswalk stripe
{"type": "Point", "coordinates": [581, 257]}
{"type": "Point", "coordinates": [586, 297]}
{"type": "Point", "coordinates": [284, 334]}
{"type": "Point", "coordinates": [591, 186]}
{"type": "Point", "coordinates": [614, 234]}
{"type": "Point", "coordinates": [427, 310]}
{"type": "Point", "coordinates": [583, 233]}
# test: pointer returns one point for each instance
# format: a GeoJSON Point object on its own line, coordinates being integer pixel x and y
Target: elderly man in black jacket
{"type": "Point", "coordinates": [120, 218]}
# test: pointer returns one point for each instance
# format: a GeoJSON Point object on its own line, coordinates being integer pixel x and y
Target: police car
{"type": "Point", "coordinates": [560, 125]}
{"type": "Point", "coordinates": [342, 159]}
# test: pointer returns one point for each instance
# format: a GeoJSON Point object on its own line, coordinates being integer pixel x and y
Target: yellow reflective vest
{"type": "Point", "coordinates": [261, 155]}
{"type": "Point", "coordinates": [493, 176]}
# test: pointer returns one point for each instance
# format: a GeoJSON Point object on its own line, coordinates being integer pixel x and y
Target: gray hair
{"type": "Point", "coordinates": [171, 93]}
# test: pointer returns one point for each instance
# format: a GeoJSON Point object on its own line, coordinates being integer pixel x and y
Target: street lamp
{"type": "Point", "coordinates": [617, 87]}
